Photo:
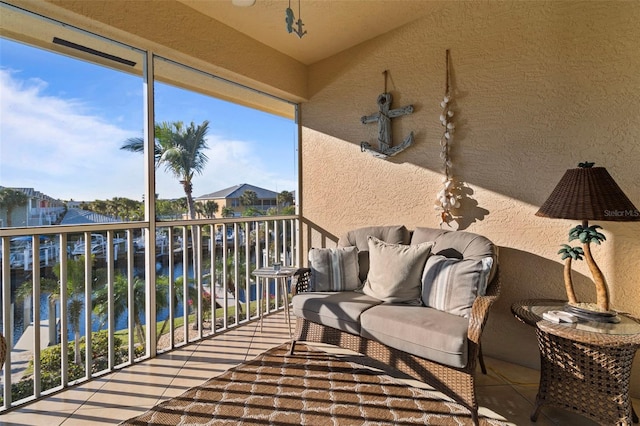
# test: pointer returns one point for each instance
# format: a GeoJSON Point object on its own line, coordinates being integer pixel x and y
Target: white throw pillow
{"type": "Point", "coordinates": [395, 271]}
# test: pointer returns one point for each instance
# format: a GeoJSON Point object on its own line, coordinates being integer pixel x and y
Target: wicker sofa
{"type": "Point", "coordinates": [429, 344]}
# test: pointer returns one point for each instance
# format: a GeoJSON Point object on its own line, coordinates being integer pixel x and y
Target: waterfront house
{"type": "Point", "coordinates": [39, 210]}
{"type": "Point", "coordinates": [230, 198]}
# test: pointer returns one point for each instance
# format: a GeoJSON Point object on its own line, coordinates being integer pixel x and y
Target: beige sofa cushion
{"type": "Point", "coordinates": [334, 269]}
{"type": "Point", "coordinates": [394, 234]}
{"type": "Point", "coordinates": [340, 310]}
{"type": "Point", "coordinates": [421, 331]}
{"type": "Point", "coordinates": [395, 271]}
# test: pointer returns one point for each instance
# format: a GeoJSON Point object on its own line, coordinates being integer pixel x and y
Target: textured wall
{"type": "Point", "coordinates": [538, 87]}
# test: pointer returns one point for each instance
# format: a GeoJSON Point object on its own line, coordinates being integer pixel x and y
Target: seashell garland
{"type": "Point", "coordinates": [447, 198]}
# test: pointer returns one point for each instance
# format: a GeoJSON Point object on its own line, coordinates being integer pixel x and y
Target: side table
{"type": "Point", "coordinates": [585, 367]}
{"type": "Point", "coordinates": [281, 276]}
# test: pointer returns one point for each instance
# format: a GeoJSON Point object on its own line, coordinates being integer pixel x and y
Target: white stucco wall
{"type": "Point", "coordinates": [538, 87]}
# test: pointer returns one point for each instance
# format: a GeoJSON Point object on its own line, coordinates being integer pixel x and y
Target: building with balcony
{"type": "Point", "coordinates": [38, 210]}
{"type": "Point", "coordinates": [231, 199]}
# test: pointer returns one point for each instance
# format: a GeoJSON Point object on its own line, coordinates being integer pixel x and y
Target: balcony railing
{"type": "Point", "coordinates": [79, 302]}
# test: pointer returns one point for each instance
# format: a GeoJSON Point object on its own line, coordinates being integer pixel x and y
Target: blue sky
{"type": "Point", "coordinates": [62, 122]}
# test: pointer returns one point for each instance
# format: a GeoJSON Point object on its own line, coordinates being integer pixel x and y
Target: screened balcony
{"type": "Point", "coordinates": [534, 84]}
{"type": "Point", "coordinates": [193, 282]}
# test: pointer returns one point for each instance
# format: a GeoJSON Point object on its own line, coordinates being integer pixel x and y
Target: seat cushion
{"type": "Point", "coordinates": [341, 310]}
{"type": "Point", "coordinates": [425, 332]}
{"type": "Point", "coordinates": [334, 269]}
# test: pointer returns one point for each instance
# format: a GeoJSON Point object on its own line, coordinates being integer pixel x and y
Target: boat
{"type": "Point", "coordinates": [99, 246]}
{"type": "Point", "coordinates": [230, 237]}
{"type": "Point", "coordinates": [162, 243]}
{"type": "Point", "coordinates": [21, 252]}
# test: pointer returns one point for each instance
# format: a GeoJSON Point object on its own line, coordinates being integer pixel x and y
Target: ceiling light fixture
{"type": "Point", "coordinates": [294, 26]}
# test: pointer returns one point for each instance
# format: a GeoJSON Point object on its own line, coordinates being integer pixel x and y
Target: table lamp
{"type": "Point", "coordinates": [588, 193]}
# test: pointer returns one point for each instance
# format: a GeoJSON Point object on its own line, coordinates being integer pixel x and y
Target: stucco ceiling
{"type": "Point", "coordinates": [332, 25]}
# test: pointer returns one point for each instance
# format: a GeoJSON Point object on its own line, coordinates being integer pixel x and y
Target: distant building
{"type": "Point", "coordinates": [39, 210]}
{"type": "Point", "coordinates": [231, 198]}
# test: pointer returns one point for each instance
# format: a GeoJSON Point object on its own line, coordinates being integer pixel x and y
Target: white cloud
{"type": "Point", "coordinates": [57, 147]}
{"type": "Point", "coordinates": [231, 162]}
{"type": "Point", "coordinates": [60, 148]}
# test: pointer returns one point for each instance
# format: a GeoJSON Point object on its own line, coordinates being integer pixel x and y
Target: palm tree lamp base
{"type": "Point", "coordinates": [585, 312]}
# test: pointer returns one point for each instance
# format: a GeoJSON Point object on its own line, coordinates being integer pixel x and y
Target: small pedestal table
{"type": "Point", "coordinates": [282, 276]}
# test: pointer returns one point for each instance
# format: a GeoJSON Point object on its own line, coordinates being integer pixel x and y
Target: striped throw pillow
{"type": "Point", "coordinates": [452, 285]}
{"type": "Point", "coordinates": [334, 269]}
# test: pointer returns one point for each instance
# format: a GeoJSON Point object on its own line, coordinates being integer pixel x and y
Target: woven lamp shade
{"type": "Point", "coordinates": [589, 194]}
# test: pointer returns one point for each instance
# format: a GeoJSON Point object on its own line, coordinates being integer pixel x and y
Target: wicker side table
{"type": "Point", "coordinates": [584, 367]}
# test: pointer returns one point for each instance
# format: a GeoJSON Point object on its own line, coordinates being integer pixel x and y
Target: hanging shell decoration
{"type": "Point", "coordinates": [448, 197]}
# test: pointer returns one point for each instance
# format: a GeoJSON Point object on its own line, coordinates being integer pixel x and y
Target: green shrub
{"type": "Point", "coordinates": [51, 361]}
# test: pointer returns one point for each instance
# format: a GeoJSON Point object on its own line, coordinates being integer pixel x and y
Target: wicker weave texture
{"type": "Point", "coordinates": [457, 383]}
{"type": "Point", "coordinates": [589, 193]}
{"type": "Point", "coordinates": [590, 380]}
{"type": "Point", "coordinates": [588, 373]}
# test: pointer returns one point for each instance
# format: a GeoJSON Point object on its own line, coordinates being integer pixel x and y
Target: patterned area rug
{"type": "Point", "coordinates": [308, 388]}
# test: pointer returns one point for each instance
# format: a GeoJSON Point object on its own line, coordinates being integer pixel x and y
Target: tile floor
{"type": "Point", "coordinates": [507, 392]}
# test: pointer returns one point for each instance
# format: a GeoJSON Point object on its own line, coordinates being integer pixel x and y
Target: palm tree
{"type": "Point", "coordinates": [120, 301]}
{"type": "Point", "coordinates": [227, 212]}
{"type": "Point", "coordinates": [587, 235]}
{"type": "Point", "coordinates": [10, 199]}
{"type": "Point", "coordinates": [180, 205]}
{"type": "Point", "coordinates": [231, 274]}
{"type": "Point", "coordinates": [249, 198]}
{"type": "Point", "coordinates": [569, 254]}
{"type": "Point", "coordinates": [99, 206]}
{"type": "Point", "coordinates": [75, 295]}
{"type": "Point", "coordinates": [180, 149]}
{"type": "Point", "coordinates": [284, 199]}
{"type": "Point", "coordinates": [209, 209]}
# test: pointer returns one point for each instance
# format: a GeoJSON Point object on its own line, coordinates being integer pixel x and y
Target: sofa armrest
{"type": "Point", "coordinates": [480, 309]}
{"type": "Point", "coordinates": [301, 281]}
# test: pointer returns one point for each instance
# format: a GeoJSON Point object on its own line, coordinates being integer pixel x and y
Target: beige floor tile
{"type": "Point", "coordinates": [512, 373]}
{"type": "Point", "coordinates": [31, 417]}
{"type": "Point", "coordinates": [565, 418]}
{"type": "Point", "coordinates": [104, 416]}
{"type": "Point", "coordinates": [492, 378]}
{"type": "Point", "coordinates": [63, 401]}
{"type": "Point", "coordinates": [176, 389]}
{"type": "Point", "coordinates": [556, 415]}
{"type": "Point", "coordinates": [184, 383]}
{"type": "Point", "coordinates": [508, 404]}
{"type": "Point", "coordinates": [126, 394]}
{"type": "Point", "coordinates": [527, 391]}
{"type": "Point", "coordinates": [145, 374]}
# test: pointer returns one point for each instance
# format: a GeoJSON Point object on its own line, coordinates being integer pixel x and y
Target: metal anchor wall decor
{"type": "Point", "coordinates": [383, 118]}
